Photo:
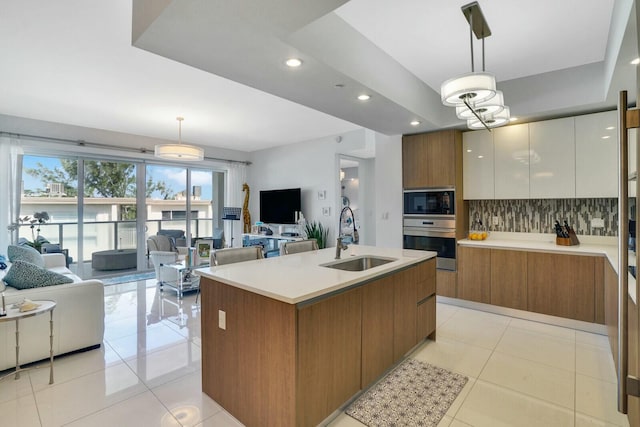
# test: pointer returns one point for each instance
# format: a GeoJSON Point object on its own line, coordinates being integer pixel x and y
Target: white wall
{"type": "Point", "coordinates": [388, 190]}
{"type": "Point", "coordinates": [313, 166]}
{"type": "Point", "coordinates": [310, 165]}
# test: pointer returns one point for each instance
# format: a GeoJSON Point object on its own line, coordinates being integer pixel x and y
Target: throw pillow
{"type": "Point", "coordinates": [24, 275]}
{"type": "Point", "coordinates": [25, 253]}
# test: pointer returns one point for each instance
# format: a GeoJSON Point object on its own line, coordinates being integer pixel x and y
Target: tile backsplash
{"type": "Point", "coordinates": [539, 215]}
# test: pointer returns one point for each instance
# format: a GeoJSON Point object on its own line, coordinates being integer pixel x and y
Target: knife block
{"type": "Point", "coordinates": [572, 240]}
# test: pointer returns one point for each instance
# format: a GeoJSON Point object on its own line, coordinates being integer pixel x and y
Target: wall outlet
{"type": "Point", "coordinates": [222, 319]}
{"type": "Point", "coordinates": [496, 220]}
{"type": "Point", "coordinates": [326, 211]}
{"type": "Point", "coordinates": [597, 223]}
{"type": "Point", "coordinates": [322, 194]}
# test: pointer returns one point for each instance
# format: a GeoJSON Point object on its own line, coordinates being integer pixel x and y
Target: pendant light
{"type": "Point", "coordinates": [474, 94]}
{"type": "Point", "coordinates": [490, 120]}
{"type": "Point", "coordinates": [179, 151]}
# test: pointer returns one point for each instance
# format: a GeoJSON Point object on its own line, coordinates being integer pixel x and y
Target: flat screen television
{"type": "Point", "coordinates": [280, 206]}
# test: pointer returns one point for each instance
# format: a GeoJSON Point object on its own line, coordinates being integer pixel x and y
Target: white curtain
{"type": "Point", "coordinates": [234, 197]}
{"type": "Point", "coordinates": [11, 174]}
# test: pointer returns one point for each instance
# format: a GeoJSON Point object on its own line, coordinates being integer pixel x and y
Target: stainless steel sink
{"type": "Point", "coordinates": [358, 263]}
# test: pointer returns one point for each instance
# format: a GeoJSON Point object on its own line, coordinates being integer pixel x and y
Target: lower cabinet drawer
{"type": "Point", "coordinates": [426, 318]}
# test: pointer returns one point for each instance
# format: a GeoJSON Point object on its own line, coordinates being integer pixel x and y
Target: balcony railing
{"type": "Point", "coordinates": [105, 235]}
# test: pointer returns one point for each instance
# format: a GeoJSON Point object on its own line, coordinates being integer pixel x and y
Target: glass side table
{"type": "Point", "coordinates": [14, 315]}
{"type": "Point", "coordinates": [179, 276]}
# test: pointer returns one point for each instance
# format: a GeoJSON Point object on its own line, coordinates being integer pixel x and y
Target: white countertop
{"type": "Point", "coordinates": [299, 277]}
{"type": "Point", "coordinates": [590, 245]}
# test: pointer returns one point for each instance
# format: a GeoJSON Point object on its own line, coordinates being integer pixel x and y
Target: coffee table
{"type": "Point", "coordinates": [14, 315]}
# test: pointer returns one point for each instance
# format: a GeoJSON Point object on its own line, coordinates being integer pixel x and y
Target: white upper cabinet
{"type": "Point", "coordinates": [552, 159]}
{"type": "Point", "coordinates": [477, 152]}
{"type": "Point", "coordinates": [511, 160]}
{"type": "Point", "coordinates": [597, 155]}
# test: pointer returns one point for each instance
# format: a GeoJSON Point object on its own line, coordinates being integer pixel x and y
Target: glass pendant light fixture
{"type": "Point", "coordinates": [179, 151]}
{"type": "Point", "coordinates": [474, 94]}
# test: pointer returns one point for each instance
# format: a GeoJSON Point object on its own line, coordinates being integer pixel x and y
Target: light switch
{"type": "Point", "coordinates": [222, 319]}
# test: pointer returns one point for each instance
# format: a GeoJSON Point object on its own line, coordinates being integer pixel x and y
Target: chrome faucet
{"type": "Point", "coordinates": [340, 246]}
{"type": "Point", "coordinates": [355, 238]}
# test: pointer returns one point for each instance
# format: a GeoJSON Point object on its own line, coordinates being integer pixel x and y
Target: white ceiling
{"type": "Point", "coordinates": [72, 62]}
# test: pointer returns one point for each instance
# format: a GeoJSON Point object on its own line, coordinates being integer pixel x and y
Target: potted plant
{"type": "Point", "coordinates": [38, 219]}
{"type": "Point", "coordinates": [315, 230]}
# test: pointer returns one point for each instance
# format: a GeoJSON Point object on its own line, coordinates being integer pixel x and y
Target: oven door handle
{"type": "Point", "coordinates": [429, 232]}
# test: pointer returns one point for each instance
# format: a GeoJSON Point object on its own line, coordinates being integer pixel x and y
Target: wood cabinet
{"type": "Point", "coordinates": [271, 398]}
{"type": "Point", "coordinates": [326, 378]}
{"type": "Point", "coordinates": [478, 167]}
{"type": "Point", "coordinates": [426, 300]}
{"type": "Point", "coordinates": [377, 329]}
{"type": "Point", "coordinates": [570, 286]}
{"type": "Point", "coordinates": [633, 354]}
{"type": "Point", "coordinates": [561, 285]}
{"type": "Point", "coordinates": [474, 274]}
{"type": "Point", "coordinates": [426, 318]}
{"type": "Point", "coordinates": [429, 159]}
{"type": "Point", "coordinates": [509, 279]}
{"type": "Point", "coordinates": [597, 155]}
{"type": "Point", "coordinates": [446, 282]}
{"type": "Point", "coordinates": [280, 364]}
{"type": "Point", "coordinates": [404, 312]}
{"type": "Point", "coordinates": [552, 157]}
{"type": "Point", "coordinates": [426, 280]}
{"type": "Point", "coordinates": [611, 309]}
{"type": "Point", "coordinates": [511, 161]}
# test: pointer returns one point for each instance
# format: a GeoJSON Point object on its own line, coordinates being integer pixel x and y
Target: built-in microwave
{"type": "Point", "coordinates": [431, 201]}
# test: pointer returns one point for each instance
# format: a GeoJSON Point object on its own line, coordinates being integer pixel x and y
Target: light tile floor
{"type": "Point", "coordinates": [147, 373]}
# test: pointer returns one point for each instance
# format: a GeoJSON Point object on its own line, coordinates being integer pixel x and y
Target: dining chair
{"type": "Point", "coordinates": [289, 248]}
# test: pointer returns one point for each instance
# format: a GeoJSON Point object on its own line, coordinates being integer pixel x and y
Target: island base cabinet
{"type": "Point", "coordinates": [329, 355]}
{"type": "Point", "coordinates": [377, 329]}
{"type": "Point", "coordinates": [426, 319]}
{"type": "Point", "coordinates": [280, 364]}
{"type": "Point", "coordinates": [249, 367]}
{"type": "Point", "coordinates": [404, 312]}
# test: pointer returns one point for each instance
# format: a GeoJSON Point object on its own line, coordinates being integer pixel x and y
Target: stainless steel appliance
{"type": "Point", "coordinates": [429, 223]}
{"type": "Point", "coordinates": [429, 201]}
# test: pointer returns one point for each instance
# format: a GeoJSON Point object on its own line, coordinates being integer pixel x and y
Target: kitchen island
{"type": "Point", "coordinates": [286, 341]}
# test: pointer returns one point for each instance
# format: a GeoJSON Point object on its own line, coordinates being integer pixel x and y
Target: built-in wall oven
{"type": "Point", "coordinates": [429, 224]}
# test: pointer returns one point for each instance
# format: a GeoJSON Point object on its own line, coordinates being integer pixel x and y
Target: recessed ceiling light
{"type": "Point", "coordinates": [606, 137]}
{"type": "Point", "coordinates": [364, 97]}
{"type": "Point", "coordinates": [415, 122]}
{"type": "Point", "coordinates": [480, 157]}
{"type": "Point", "coordinates": [513, 119]}
{"type": "Point", "coordinates": [293, 62]}
{"type": "Point", "coordinates": [635, 61]}
{"type": "Point", "coordinates": [610, 128]}
{"type": "Point", "coordinates": [468, 151]}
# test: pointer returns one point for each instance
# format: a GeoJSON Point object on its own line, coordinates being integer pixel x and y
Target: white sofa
{"type": "Point", "coordinates": [78, 319]}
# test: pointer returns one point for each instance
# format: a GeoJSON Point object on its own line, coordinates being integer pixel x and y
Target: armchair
{"type": "Point", "coordinates": [162, 251]}
{"type": "Point", "coordinates": [177, 237]}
